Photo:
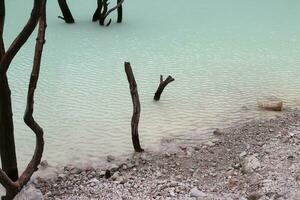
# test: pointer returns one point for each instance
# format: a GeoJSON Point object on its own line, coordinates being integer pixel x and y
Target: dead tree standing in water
{"type": "Point", "coordinates": [163, 83]}
{"type": "Point", "coordinates": [67, 15]}
{"type": "Point", "coordinates": [9, 175]}
{"type": "Point", "coordinates": [136, 108]}
{"type": "Point", "coordinates": [102, 12]}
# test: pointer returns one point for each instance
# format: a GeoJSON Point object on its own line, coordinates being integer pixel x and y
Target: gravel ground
{"type": "Point", "coordinates": [255, 160]}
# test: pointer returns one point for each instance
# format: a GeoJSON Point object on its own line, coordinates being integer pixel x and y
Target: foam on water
{"type": "Point", "coordinates": [223, 55]}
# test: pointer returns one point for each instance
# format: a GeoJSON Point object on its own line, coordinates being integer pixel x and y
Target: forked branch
{"type": "Point", "coordinates": [163, 83]}
{"type": "Point", "coordinates": [12, 188]}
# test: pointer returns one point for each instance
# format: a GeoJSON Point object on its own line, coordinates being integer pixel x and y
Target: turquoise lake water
{"type": "Point", "coordinates": [224, 55]}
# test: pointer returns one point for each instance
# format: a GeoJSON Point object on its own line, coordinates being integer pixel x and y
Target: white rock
{"type": "Point", "coordinates": [243, 153]}
{"type": "Point", "coordinates": [2, 190]}
{"type": "Point", "coordinates": [110, 158]}
{"type": "Point", "coordinates": [94, 180]}
{"type": "Point", "coordinates": [273, 105]}
{"type": "Point", "coordinates": [197, 193]}
{"type": "Point", "coordinates": [251, 163]}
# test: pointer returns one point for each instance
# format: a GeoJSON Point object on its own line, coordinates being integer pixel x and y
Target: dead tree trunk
{"type": "Point", "coordinates": [120, 12]}
{"type": "Point", "coordinates": [12, 183]}
{"type": "Point", "coordinates": [67, 15]}
{"type": "Point", "coordinates": [97, 13]}
{"type": "Point", "coordinates": [7, 141]}
{"type": "Point", "coordinates": [136, 108]}
{"type": "Point", "coordinates": [103, 13]}
{"type": "Point", "coordinates": [162, 85]}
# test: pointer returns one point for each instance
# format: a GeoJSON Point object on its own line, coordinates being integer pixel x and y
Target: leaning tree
{"type": "Point", "coordinates": [9, 177]}
{"type": "Point", "coordinates": [101, 13]}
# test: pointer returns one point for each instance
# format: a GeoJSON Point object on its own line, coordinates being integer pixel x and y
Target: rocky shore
{"type": "Point", "coordinates": [255, 160]}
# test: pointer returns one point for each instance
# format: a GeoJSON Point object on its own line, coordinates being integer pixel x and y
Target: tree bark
{"type": "Point", "coordinates": [7, 141]}
{"type": "Point", "coordinates": [67, 15]}
{"type": "Point", "coordinates": [97, 13]}
{"type": "Point", "coordinates": [103, 13]}
{"type": "Point", "coordinates": [162, 85]}
{"type": "Point", "coordinates": [120, 12]}
{"type": "Point", "coordinates": [136, 108]}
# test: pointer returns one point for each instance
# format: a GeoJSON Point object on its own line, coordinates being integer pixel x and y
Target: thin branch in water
{"type": "Point", "coordinates": [163, 83]}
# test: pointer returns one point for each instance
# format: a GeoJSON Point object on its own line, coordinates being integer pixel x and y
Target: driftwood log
{"type": "Point", "coordinates": [12, 184]}
{"type": "Point", "coordinates": [136, 108]}
{"type": "Point", "coordinates": [162, 85]}
{"type": "Point", "coordinates": [67, 15]}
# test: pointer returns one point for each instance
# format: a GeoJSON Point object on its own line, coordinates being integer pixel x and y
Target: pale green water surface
{"type": "Point", "coordinates": [224, 54]}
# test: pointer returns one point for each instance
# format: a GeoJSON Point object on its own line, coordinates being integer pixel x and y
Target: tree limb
{"type": "Point", "coordinates": [21, 38]}
{"type": "Point", "coordinates": [163, 83]}
{"type": "Point", "coordinates": [12, 188]}
{"type": "Point", "coordinates": [28, 118]}
{"type": "Point", "coordinates": [2, 19]}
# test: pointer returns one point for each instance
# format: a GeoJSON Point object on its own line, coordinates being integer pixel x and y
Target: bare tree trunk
{"type": "Point", "coordinates": [12, 183]}
{"type": "Point", "coordinates": [97, 13]}
{"type": "Point", "coordinates": [103, 13]}
{"type": "Point", "coordinates": [67, 15]}
{"type": "Point", "coordinates": [136, 108]}
{"type": "Point", "coordinates": [162, 85]}
{"type": "Point", "coordinates": [7, 141]}
{"type": "Point", "coordinates": [120, 12]}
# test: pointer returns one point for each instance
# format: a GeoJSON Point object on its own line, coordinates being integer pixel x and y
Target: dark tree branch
{"type": "Point", "coordinates": [103, 13]}
{"type": "Point", "coordinates": [119, 4]}
{"type": "Point", "coordinates": [2, 19]}
{"type": "Point", "coordinates": [120, 12]}
{"type": "Point", "coordinates": [21, 38]}
{"type": "Point", "coordinates": [7, 141]}
{"type": "Point", "coordinates": [6, 181]}
{"type": "Point", "coordinates": [28, 118]}
{"type": "Point", "coordinates": [97, 13]}
{"type": "Point", "coordinates": [136, 108]}
{"type": "Point", "coordinates": [162, 85]}
{"type": "Point", "coordinates": [12, 188]}
{"type": "Point", "coordinates": [67, 15]}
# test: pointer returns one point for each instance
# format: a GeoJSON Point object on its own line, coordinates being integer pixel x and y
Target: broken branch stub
{"type": "Point", "coordinates": [162, 85]}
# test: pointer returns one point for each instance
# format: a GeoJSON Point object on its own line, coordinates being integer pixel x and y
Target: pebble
{"type": "Point", "coordinates": [197, 193]}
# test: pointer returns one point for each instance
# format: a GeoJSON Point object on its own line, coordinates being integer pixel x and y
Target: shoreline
{"type": "Point", "coordinates": [254, 160]}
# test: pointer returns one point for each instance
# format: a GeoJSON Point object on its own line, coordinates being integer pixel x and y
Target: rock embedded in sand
{"type": "Point", "coordinates": [251, 163]}
{"type": "Point", "coordinates": [272, 105]}
{"type": "Point", "coordinates": [110, 158]}
{"type": "Point", "coordinates": [218, 132]}
{"type": "Point", "coordinates": [197, 193]}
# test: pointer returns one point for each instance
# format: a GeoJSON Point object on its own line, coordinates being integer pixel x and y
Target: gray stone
{"type": "Point", "coordinates": [110, 158]}
{"type": "Point", "coordinates": [197, 193]}
{"type": "Point", "coordinates": [251, 163]}
{"type": "Point", "coordinates": [218, 132]}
